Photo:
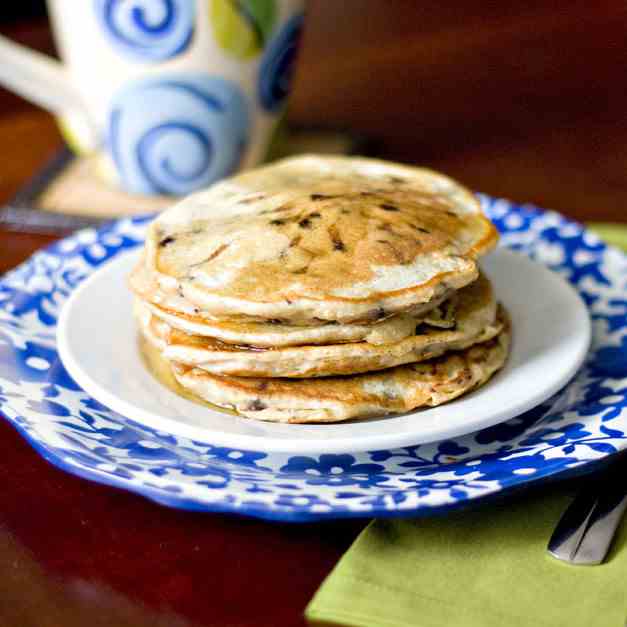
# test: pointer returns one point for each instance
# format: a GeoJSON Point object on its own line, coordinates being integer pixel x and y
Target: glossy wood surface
{"type": "Point", "coordinates": [521, 99]}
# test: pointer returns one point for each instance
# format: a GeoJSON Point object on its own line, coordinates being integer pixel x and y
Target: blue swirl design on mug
{"type": "Point", "coordinates": [176, 134]}
{"type": "Point", "coordinates": [277, 64]}
{"type": "Point", "coordinates": [148, 30]}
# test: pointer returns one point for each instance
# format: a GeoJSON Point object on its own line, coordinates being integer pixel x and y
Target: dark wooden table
{"type": "Point", "coordinates": [526, 100]}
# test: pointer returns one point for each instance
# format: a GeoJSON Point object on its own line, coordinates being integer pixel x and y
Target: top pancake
{"type": "Point", "coordinates": [316, 238]}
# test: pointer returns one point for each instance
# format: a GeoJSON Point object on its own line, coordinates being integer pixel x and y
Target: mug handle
{"type": "Point", "coordinates": [44, 81]}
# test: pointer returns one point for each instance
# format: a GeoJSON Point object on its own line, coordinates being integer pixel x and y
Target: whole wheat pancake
{"type": "Point", "coordinates": [272, 334]}
{"type": "Point", "coordinates": [315, 238]}
{"type": "Point", "coordinates": [334, 399]}
{"type": "Point", "coordinates": [475, 322]}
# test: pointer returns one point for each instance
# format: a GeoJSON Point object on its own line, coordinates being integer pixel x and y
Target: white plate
{"type": "Point", "coordinates": [97, 342]}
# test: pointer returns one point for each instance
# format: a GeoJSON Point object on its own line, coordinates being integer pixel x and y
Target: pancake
{"type": "Point", "coordinates": [334, 399]}
{"type": "Point", "coordinates": [440, 313]}
{"type": "Point", "coordinates": [475, 322]}
{"type": "Point", "coordinates": [313, 239]}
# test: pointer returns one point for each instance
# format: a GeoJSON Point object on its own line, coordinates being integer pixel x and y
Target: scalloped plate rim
{"type": "Point", "coordinates": [172, 501]}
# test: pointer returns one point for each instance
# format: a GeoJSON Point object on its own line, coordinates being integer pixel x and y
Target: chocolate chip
{"type": "Point", "coordinates": [377, 314]}
{"type": "Point", "coordinates": [262, 386]}
{"type": "Point", "coordinates": [305, 223]}
{"type": "Point", "coordinates": [274, 321]}
{"type": "Point", "coordinates": [315, 197]}
{"type": "Point", "coordinates": [336, 240]}
{"type": "Point", "coordinates": [245, 201]}
{"type": "Point", "coordinates": [388, 207]}
{"type": "Point", "coordinates": [167, 240]}
{"type": "Point", "coordinates": [256, 405]}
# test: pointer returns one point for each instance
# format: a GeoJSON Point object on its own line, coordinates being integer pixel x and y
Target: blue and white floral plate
{"type": "Point", "coordinates": [584, 422]}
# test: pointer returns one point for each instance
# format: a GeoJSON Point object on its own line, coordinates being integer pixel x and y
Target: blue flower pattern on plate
{"type": "Point", "coordinates": [335, 470]}
{"type": "Point", "coordinates": [583, 423]}
{"type": "Point", "coordinates": [148, 31]}
{"type": "Point", "coordinates": [193, 133]}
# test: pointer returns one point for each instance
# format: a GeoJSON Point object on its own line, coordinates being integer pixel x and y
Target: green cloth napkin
{"type": "Point", "coordinates": [485, 567]}
{"type": "Point", "coordinates": [612, 233]}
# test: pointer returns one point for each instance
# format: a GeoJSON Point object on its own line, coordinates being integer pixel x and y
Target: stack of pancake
{"type": "Point", "coordinates": [319, 289]}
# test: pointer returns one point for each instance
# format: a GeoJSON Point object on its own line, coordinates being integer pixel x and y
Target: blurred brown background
{"type": "Point", "coordinates": [524, 99]}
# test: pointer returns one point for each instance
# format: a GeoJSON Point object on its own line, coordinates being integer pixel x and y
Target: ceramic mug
{"type": "Point", "coordinates": [175, 94]}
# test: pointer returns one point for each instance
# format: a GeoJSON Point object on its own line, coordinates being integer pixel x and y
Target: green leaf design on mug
{"type": "Point", "coordinates": [242, 27]}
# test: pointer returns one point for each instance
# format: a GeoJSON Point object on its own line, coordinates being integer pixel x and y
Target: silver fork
{"type": "Point", "coordinates": [586, 529]}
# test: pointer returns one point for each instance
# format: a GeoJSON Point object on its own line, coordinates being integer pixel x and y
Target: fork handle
{"type": "Point", "coordinates": [585, 531]}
